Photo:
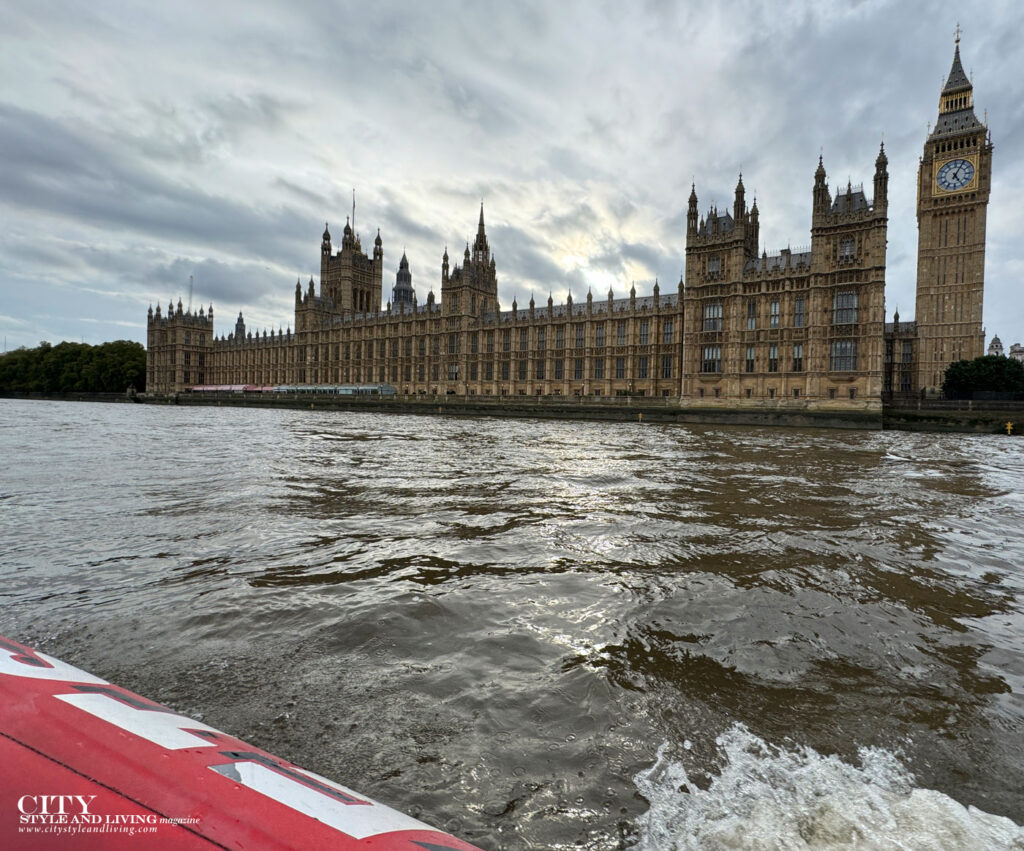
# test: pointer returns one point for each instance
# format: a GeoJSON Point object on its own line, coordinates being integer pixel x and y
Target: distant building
{"type": "Point", "coordinates": [796, 328]}
{"type": "Point", "coordinates": [1017, 352]}
{"type": "Point", "coordinates": [996, 346]}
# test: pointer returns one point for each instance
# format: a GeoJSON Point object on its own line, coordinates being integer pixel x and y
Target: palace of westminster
{"type": "Point", "coordinates": [800, 329]}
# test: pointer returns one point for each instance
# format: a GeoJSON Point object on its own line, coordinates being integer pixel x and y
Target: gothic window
{"type": "Point", "coordinates": [522, 370]}
{"type": "Point", "coordinates": [560, 337]}
{"type": "Point", "coordinates": [751, 314]}
{"type": "Point", "coordinates": [713, 317]}
{"type": "Point", "coordinates": [489, 371]}
{"type": "Point", "coordinates": [798, 357]}
{"type": "Point", "coordinates": [452, 343]}
{"type": "Point", "coordinates": [188, 336]}
{"type": "Point", "coordinates": [598, 368]}
{"type": "Point", "coordinates": [750, 359]}
{"type": "Point", "coordinates": [202, 339]}
{"type": "Point", "coordinates": [382, 349]}
{"type": "Point", "coordinates": [408, 372]}
{"type": "Point", "coordinates": [711, 359]}
{"type": "Point", "coordinates": [188, 358]}
{"type": "Point", "coordinates": [420, 371]}
{"type": "Point", "coordinates": [474, 343]}
{"type": "Point", "coordinates": [394, 348]}
{"type": "Point", "coordinates": [408, 349]}
{"type": "Point", "coordinates": [540, 370]}
{"type": "Point", "coordinates": [798, 313]}
{"type": "Point", "coordinates": [847, 248]}
{"type": "Point", "coordinates": [577, 369]}
{"type": "Point", "coordinates": [667, 332]}
{"type": "Point", "coordinates": [506, 340]}
{"type": "Point", "coordinates": [666, 366]}
{"type": "Point", "coordinates": [908, 351]}
{"type": "Point", "coordinates": [844, 308]}
{"type": "Point", "coordinates": [437, 346]}
{"type": "Point", "coordinates": [473, 371]}
{"type": "Point", "coordinates": [714, 265]}
{"type": "Point", "coordinates": [645, 332]}
{"type": "Point", "coordinates": [843, 357]}
{"type": "Point", "coordinates": [773, 314]}
{"type": "Point", "coordinates": [620, 333]}
{"type": "Point", "coordinates": [599, 335]}
{"type": "Point", "coordinates": [559, 369]}
{"type": "Point", "coordinates": [505, 370]}
{"type": "Point", "coordinates": [641, 367]}
{"type": "Point", "coordinates": [422, 346]}
{"type": "Point", "coordinates": [472, 304]}
{"type": "Point", "coordinates": [453, 372]}
{"type": "Point", "coordinates": [773, 358]}
{"type": "Point", "coordinates": [489, 342]}
{"type": "Point", "coordinates": [620, 367]}
{"type": "Point", "coordinates": [524, 339]}
{"type": "Point", "coordinates": [580, 336]}
{"type": "Point", "coordinates": [541, 339]}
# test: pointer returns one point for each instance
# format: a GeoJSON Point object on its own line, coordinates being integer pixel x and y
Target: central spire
{"type": "Point", "coordinates": [480, 249]}
{"type": "Point", "coordinates": [957, 80]}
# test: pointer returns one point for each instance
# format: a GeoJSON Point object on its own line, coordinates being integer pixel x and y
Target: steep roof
{"type": "Point", "coordinates": [957, 78]}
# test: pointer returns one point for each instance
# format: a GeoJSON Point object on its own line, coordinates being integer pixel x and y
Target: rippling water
{"type": "Point", "coordinates": [551, 634]}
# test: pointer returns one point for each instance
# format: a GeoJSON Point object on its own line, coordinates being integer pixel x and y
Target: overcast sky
{"type": "Point", "coordinates": [143, 143]}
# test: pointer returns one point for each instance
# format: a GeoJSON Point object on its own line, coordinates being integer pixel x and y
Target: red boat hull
{"type": "Point", "coordinates": [90, 765]}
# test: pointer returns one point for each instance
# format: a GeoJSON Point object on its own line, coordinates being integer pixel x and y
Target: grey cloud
{"type": "Point", "coordinates": [315, 200]}
{"type": "Point", "coordinates": [227, 135]}
{"type": "Point", "coordinates": [53, 170]}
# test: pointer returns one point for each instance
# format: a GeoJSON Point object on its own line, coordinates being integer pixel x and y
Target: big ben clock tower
{"type": "Point", "coordinates": [953, 185]}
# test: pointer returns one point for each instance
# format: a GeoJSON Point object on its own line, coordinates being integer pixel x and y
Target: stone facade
{"type": "Point", "coordinates": [804, 326]}
{"type": "Point", "coordinates": [954, 180]}
{"type": "Point", "coordinates": [179, 345]}
{"type": "Point", "coordinates": [464, 344]}
{"type": "Point", "coordinates": [798, 328]}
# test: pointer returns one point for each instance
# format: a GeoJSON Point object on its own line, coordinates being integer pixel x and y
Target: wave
{"type": "Point", "coordinates": [769, 797]}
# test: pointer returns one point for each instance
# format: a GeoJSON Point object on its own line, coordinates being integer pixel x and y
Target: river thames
{"type": "Point", "coordinates": [543, 635]}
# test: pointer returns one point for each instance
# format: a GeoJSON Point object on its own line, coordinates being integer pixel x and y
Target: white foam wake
{"type": "Point", "coordinates": [774, 798]}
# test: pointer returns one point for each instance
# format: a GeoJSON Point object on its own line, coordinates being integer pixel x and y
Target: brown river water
{"type": "Point", "coordinates": [547, 635]}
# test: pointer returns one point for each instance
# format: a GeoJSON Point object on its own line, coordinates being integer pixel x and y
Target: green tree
{"type": "Point", "coordinates": [74, 368]}
{"type": "Point", "coordinates": [988, 374]}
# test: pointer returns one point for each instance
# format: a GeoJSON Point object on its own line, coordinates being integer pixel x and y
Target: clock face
{"type": "Point", "coordinates": [955, 174]}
